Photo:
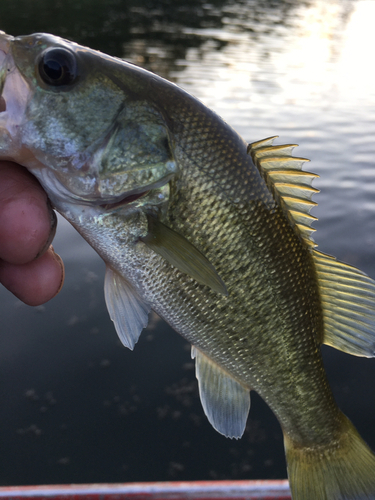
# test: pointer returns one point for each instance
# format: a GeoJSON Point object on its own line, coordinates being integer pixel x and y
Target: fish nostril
{"type": "Point", "coordinates": [3, 105]}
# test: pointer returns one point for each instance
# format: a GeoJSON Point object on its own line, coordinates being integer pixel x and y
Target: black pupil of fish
{"type": "Point", "coordinates": [57, 67]}
{"type": "Point", "coordinates": [53, 69]}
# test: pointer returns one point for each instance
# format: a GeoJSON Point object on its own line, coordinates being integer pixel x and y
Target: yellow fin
{"type": "Point", "coordinates": [179, 252]}
{"type": "Point", "coordinates": [348, 303]}
{"type": "Point", "coordinates": [343, 470]}
{"type": "Point", "coordinates": [290, 186]}
{"type": "Point", "coordinates": [263, 143]}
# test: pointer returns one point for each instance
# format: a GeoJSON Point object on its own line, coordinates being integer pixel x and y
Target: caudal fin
{"type": "Point", "coordinates": [345, 470]}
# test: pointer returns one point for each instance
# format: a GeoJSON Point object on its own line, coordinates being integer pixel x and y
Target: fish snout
{"type": "Point", "coordinates": [5, 41]}
{"type": "Point", "coordinates": [13, 97]}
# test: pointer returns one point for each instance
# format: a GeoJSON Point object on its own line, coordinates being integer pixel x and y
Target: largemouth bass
{"type": "Point", "coordinates": [211, 233]}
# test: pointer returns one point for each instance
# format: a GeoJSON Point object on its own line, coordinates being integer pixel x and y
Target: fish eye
{"type": "Point", "coordinates": [58, 67]}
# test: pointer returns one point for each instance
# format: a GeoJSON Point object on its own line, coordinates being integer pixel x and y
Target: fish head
{"type": "Point", "coordinates": [82, 122]}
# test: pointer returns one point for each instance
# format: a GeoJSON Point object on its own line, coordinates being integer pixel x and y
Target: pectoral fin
{"type": "Point", "coordinates": [348, 302]}
{"type": "Point", "coordinates": [179, 252]}
{"type": "Point", "coordinates": [126, 309]}
{"type": "Point", "coordinates": [225, 401]}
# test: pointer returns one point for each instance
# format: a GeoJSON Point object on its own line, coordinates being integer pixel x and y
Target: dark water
{"type": "Point", "coordinates": [79, 407]}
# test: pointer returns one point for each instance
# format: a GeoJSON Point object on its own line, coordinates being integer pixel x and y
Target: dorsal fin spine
{"type": "Point", "coordinates": [290, 186]}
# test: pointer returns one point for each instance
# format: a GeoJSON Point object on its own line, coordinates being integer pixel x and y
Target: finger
{"type": "Point", "coordinates": [35, 282]}
{"type": "Point", "coordinates": [27, 221]}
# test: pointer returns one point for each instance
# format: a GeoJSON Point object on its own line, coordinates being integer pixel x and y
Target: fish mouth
{"type": "Point", "coordinates": [14, 92]}
{"type": "Point", "coordinates": [5, 41]}
{"type": "Point", "coordinates": [4, 51]}
{"type": "Point", "coordinates": [123, 201]}
{"type": "Point", "coordinates": [128, 198]}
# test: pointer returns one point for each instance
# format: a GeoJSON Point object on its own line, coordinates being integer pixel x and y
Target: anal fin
{"type": "Point", "coordinates": [126, 309]}
{"type": "Point", "coordinates": [225, 401]}
{"type": "Point", "coordinates": [348, 302]}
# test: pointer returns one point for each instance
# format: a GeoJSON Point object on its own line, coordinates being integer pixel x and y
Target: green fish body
{"type": "Point", "coordinates": [212, 234]}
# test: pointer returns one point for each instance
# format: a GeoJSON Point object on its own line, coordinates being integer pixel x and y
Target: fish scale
{"type": "Point", "coordinates": [233, 249]}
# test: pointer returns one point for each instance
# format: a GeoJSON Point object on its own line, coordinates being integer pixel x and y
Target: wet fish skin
{"type": "Point", "coordinates": [117, 145]}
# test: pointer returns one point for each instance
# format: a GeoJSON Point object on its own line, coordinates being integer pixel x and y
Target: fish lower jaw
{"type": "Point", "coordinates": [74, 206]}
{"type": "Point", "coordinates": [93, 208]}
{"type": "Point", "coordinates": [65, 198]}
{"type": "Point", "coordinates": [123, 201]}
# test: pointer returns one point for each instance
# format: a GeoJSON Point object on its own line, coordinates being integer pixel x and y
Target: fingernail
{"type": "Point", "coordinates": [53, 222]}
{"type": "Point", "coordinates": [61, 263]}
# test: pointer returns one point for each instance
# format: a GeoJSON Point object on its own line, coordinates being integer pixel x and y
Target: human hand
{"type": "Point", "coordinates": [29, 267]}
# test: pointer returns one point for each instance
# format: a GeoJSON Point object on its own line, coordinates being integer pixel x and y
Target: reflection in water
{"type": "Point", "coordinates": [77, 407]}
{"type": "Point", "coordinates": [295, 61]}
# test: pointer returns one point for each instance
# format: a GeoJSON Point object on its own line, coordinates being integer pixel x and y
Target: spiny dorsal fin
{"type": "Point", "coordinates": [289, 184]}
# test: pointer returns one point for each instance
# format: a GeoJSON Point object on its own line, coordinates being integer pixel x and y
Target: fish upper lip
{"type": "Point", "coordinates": [5, 41]}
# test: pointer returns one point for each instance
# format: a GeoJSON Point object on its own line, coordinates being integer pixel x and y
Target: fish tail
{"type": "Point", "coordinates": [344, 470]}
